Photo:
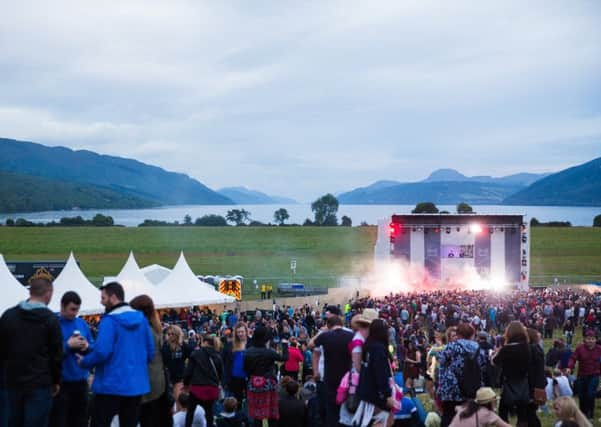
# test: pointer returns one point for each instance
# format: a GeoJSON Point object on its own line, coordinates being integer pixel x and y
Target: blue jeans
{"type": "Point", "coordinates": [28, 408]}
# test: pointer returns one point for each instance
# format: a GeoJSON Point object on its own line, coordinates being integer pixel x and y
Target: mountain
{"type": "Point", "coordinates": [245, 196]}
{"type": "Point", "coordinates": [26, 193]}
{"type": "Point", "coordinates": [524, 179]}
{"type": "Point", "coordinates": [124, 176]}
{"type": "Point", "coordinates": [444, 186]}
{"type": "Point", "coordinates": [441, 192]}
{"type": "Point", "coordinates": [446, 175]}
{"type": "Point", "coordinates": [576, 186]}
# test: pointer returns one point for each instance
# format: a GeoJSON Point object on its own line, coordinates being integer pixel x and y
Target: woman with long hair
{"type": "Point", "coordinates": [566, 409]}
{"type": "Point", "coordinates": [360, 324]}
{"type": "Point", "coordinates": [202, 378]}
{"type": "Point", "coordinates": [479, 411]}
{"type": "Point", "coordinates": [154, 408]}
{"type": "Point", "coordinates": [233, 361]}
{"type": "Point", "coordinates": [375, 391]}
{"type": "Point", "coordinates": [514, 359]}
{"type": "Point", "coordinates": [175, 354]}
{"type": "Point", "coordinates": [413, 358]}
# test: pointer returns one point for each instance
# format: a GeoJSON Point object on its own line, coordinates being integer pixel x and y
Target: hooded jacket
{"type": "Point", "coordinates": [124, 348]}
{"type": "Point", "coordinates": [31, 347]}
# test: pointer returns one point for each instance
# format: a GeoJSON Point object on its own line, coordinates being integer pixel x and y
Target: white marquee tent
{"type": "Point", "coordinates": [132, 279]}
{"type": "Point", "coordinates": [183, 289]}
{"type": "Point", "coordinates": [11, 290]}
{"type": "Point", "coordinates": [155, 273]}
{"type": "Point", "coordinates": [71, 278]}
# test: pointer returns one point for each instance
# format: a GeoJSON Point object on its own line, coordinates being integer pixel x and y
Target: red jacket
{"type": "Point", "coordinates": [294, 357]}
{"type": "Point", "coordinates": [588, 360]}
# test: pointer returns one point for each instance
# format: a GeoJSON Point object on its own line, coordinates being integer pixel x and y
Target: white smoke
{"type": "Point", "coordinates": [400, 276]}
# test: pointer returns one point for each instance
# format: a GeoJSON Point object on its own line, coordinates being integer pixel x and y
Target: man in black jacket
{"type": "Point", "coordinates": [31, 354]}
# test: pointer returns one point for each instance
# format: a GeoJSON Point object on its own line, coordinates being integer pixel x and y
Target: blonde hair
{"type": "Point", "coordinates": [238, 344]}
{"type": "Point", "coordinates": [177, 331]}
{"type": "Point", "coordinates": [567, 410]}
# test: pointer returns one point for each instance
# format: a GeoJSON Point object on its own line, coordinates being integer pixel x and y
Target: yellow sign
{"type": "Point", "coordinates": [231, 287]}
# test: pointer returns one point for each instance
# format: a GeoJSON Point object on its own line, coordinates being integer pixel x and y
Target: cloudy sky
{"type": "Point", "coordinates": [306, 97]}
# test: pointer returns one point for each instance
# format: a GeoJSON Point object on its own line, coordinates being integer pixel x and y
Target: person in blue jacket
{"type": "Point", "coordinates": [70, 406]}
{"type": "Point", "coordinates": [124, 347]}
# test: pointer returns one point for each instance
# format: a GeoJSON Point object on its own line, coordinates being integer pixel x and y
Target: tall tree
{"type": "Point", "coordinates": [597, 221]}
{"type": "Point", "coordinates": [280, 216]}
{"type": "Point", "coordinates": [325, 209]}
{"type": "Point", "coordinates": [425, 207]}
{"type": "Point", "coordinates": [346, 221]}
{"type": "Point", "coordinates": [102, 221]}
{"type": "Point", "coordinates": [237, 216]}
{"type": "Point", "coordinates": [211, 221]}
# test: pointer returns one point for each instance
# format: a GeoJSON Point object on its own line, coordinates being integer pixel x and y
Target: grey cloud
{"type": "Point", "coordinates": [308, 97]}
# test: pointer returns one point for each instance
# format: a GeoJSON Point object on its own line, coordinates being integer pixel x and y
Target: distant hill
{"type": "Point", "coordinates": [441, 186]}
{"type": "Point", "coordinates": [26, 193]}
{"type": "Point", "coordinates": [243, 195]}
{"type": "Point", "coordinates": [441, 192]}
{"type": "Point", "coordinates": [575, 186]}
{"type": "Point", "coordinates": [446, 175]}
{"type": "Point", "coordinates": [453, 175]}
{"type": "Point", "coordinates": [124, 176]}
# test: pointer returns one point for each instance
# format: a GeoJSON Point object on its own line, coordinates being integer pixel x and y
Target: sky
{"type": "Point", "coordinates": [301, 98]}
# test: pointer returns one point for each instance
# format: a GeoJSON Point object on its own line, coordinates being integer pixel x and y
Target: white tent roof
{"type": "Point", "coordinates": [72, 279]}
{"type": "Point", "coordinates": [133, 280]}
{"type": "Point", "coordinates": [11, 289]}
{"type": "Point", "coordinates": [183, 289]}
{"type": "Point", "coordinates": [155, 273]}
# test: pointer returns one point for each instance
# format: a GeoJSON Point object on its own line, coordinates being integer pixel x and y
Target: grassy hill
{"type": "Point", "coordinates": [125, 176]}
{"type": "Point", "coordinates": [322, 253]}
{"type": "Point", "coordinates": [26, 193]}
{"type": "Point", "coordinates": [576, 186]}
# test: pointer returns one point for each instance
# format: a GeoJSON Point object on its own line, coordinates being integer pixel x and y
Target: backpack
{"type": "Point", "coordinates": [471, 376]}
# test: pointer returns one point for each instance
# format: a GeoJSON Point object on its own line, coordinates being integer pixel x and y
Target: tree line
{"type": "Point", "coordinates": [324, 210]}
{"type": "Point", "coordinates": [98, 220]}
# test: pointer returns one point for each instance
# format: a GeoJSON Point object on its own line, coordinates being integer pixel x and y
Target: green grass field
{"type": "Point", "coordinates": [264, 253]}
{"type": "Point", "coordinates": [574, 253]}
{"type": "Point", "coordinates": [322, 254]}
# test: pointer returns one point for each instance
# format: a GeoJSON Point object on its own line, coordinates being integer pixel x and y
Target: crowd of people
{"type": "Point", "coordinates": [369, 362]}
